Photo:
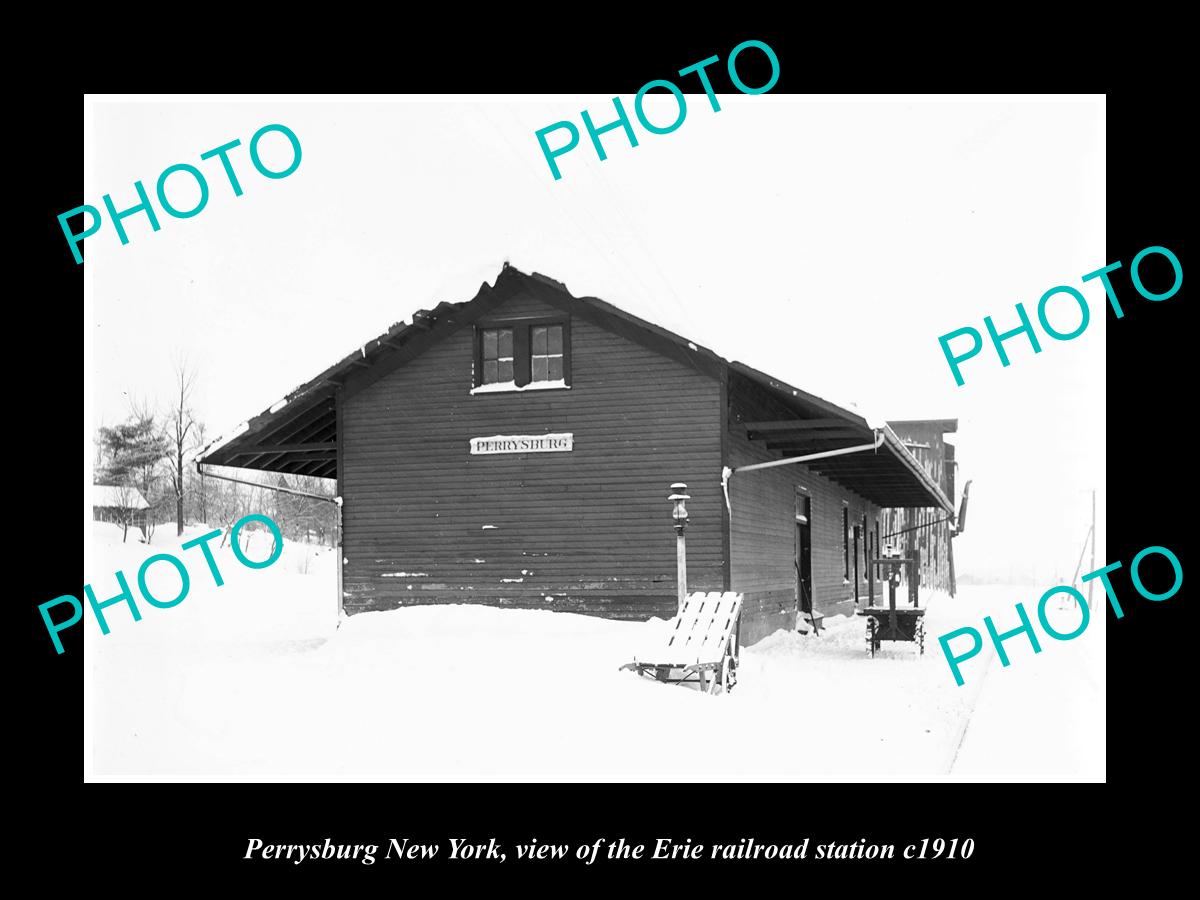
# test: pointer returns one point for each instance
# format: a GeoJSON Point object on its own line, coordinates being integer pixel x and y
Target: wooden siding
{"type": "Point", "coordinates": [582, 531]}
{"type": "Point", "coordinates": [763, 532]}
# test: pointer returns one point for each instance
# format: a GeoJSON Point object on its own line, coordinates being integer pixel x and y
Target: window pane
{"type": "Point", "coordinates": [506, 343]}
{"type": "Point", "coordinates": [506, 371]}
{"type": "Point", "coordinates": [490, 373]}
{"type": "Point", "coordinates": [554, 333]}
{"type": "Point", "coordinates": [539, 368]}
{"type": "Point", "coordinates": [489, 344]}
{"type": "Point", "coordinates": [539, 340]}
{"type": "Point", "coordinates": [556, 372]}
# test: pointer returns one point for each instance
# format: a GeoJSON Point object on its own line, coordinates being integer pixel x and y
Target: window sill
{"type": "Point", "coordinates": [511, 387]}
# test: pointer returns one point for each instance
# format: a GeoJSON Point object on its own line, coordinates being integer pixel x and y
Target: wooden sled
{"type": "Point", "coordinates": [698, 646]}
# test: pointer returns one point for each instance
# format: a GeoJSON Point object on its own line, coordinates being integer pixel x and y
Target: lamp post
{"type": "Point", "coordinates": [679, 515]}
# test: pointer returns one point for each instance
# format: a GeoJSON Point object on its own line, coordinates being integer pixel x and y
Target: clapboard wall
{"type": "Point", "coordinates": [763, 529]}
{"type": "Point", "coordinates": [585, 531]}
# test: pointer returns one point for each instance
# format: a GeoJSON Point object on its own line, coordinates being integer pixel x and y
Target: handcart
{"type": "Point", "coordinates": [698, 646]}
{"type": "Point", "coordinates": [890, 623]}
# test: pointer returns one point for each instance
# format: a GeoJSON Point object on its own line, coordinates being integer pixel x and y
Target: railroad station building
{"type": "Point", "coordinates": [517, 449]}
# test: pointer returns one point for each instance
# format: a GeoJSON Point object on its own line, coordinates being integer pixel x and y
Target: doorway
{"type": "Point", "coordinates": [803, 559]}
{"type": "Point", "coordinates": [857, 541]}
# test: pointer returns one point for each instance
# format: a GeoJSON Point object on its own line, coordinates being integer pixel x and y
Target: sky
{"type": "Point", "coordinates": [828, 241]}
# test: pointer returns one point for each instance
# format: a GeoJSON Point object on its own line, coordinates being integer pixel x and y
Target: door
{"type": "Point", "coordinates": [803, 558]}
{"type": "Point", "coordinates": [804, 567]}
{"type": "Point", "coordinates": [857, 542]}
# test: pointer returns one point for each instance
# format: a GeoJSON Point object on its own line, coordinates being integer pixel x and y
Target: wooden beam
{"type": "Point", "coordinates": [808, 437]}
{"type": "Point", "coordinates": [867, 471]}
{"type": "Point", "coordinates": [821, 441]}
{"type": "Point", "coordinates": [287, 448]}
{"type": "Point", "coordinates": [319, 430]}
{"type": "Point", "coordinates": [860, 474]}
{"type": "Point", "coordinates": [777, 425]}
{"type": "Point", "coordinates": [884, 483]}
{"type": "Point", "coordinates": [320, 407]}
{"type": "Point", "coordinates": [291, 431]}
{"type": "Point", "coordinates": [306, 455]}
{"type": "Point", "coordinates": [310, 468]}
{"type": "Point", "coordinates": [846, 466]}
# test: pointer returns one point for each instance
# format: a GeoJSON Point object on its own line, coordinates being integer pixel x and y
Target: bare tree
{"type": "Point", "coordinates": [220, 506]}
{"type": "Point", "coordinates": [179, 425]}
{"type": "Point", "coordinates": [201, 494]}
{"type": "Point", "coordinates": [126, 498]}
{"type": "Point", "coordinates": [229, 502]}
{"type": "Point", "coordinates": [301, 517]}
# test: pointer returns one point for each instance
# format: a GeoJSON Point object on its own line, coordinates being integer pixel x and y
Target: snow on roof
{"type": "Point", "coordinates": [238, 430]}
{"type": "Point", "coordinates": [310, 408]}
{"type": "Point", "coordinates": [119, 496]}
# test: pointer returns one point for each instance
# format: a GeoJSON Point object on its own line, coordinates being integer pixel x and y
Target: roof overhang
{"type": "Point", "coordinates": [300, 433]}
{"type": "Point", "coordinates": [888, 476]}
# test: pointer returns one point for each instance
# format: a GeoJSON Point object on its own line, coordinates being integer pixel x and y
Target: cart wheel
{"type": "Point", "coordinates": [872, 644]}
{"type": "Point", "coordinates": [921, 636]}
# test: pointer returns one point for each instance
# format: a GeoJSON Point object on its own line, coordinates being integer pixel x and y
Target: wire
{"type": "Point", "coordinates": [918, 527]}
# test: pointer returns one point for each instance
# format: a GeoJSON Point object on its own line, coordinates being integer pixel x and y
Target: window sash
{"type": "Point", "coordinates": [539, 348]}
{"type": "Point", "coordinates": [546, 353]}
{"type": "Point", "coordinates": [496, 355]}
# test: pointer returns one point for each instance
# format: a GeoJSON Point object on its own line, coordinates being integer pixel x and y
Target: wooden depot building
{"type": "Point", "coordinates": [517, 449]}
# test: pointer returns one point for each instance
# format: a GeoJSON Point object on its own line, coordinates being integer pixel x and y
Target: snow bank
{"type": "Point", "coordinates": [257, 679]}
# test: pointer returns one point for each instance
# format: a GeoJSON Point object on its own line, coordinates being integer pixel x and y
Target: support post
{"type": "Point", "coordinates": [915, 582]}
{"type": "Point", "coordinates": [340, 559]}
{"type": "Point", "coordinates": [854, 571]}
{"type": "Point", "coordinates": [871, 574]}
{"type": "Point", "coordinates": [681, 568]}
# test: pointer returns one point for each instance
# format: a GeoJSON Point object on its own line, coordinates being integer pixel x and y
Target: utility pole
{"type": "Point", "coordinates": [1093, 568]}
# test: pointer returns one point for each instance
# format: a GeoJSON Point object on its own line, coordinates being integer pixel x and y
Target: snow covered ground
{"type": "Point", "coordinates": [255, 680]}
{"type": "Point", "coordinates": [1043, 715]}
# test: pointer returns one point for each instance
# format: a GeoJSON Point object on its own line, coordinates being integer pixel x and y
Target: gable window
{"type": "Point", "coordinates": [497, 355]}
{"type": "Point", "coordinates": [547, 356]}
{"type": "Point", "coordinates": [522, 354]}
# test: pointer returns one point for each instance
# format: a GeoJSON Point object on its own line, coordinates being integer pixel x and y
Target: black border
{"type": "Point", "coordinates": [138, 831]}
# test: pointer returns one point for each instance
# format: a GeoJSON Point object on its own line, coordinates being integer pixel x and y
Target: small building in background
{"type": "Point", "coordinates": [119, 504]}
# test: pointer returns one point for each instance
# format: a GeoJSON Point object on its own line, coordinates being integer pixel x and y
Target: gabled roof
{"type": "Point", "coordinates": [119, 496]}
{"type": "Point", "coordinates": [299, 433]}
{"type": "Point", "coordinates": [941, 426]}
